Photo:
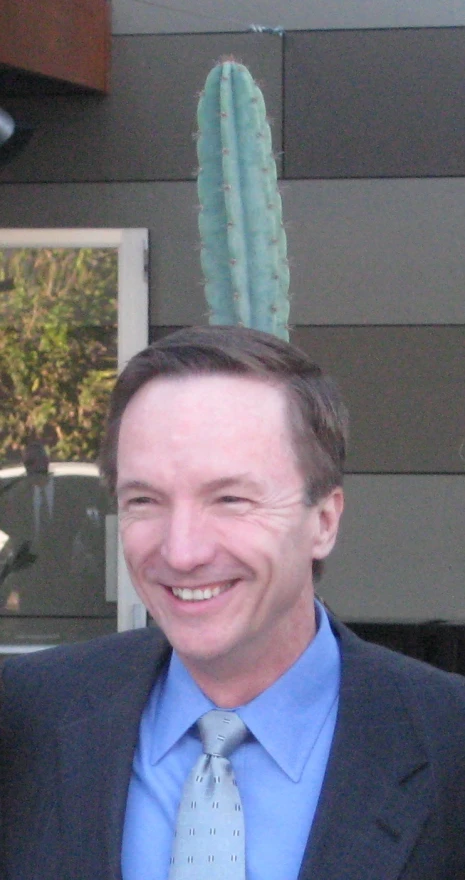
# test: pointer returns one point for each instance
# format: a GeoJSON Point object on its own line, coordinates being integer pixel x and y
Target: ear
{"type": "Point", "coordinates": [329, 511]}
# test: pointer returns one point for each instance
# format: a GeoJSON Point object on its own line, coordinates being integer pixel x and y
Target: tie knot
{"type": "Point", "coordinates": [221, 732]}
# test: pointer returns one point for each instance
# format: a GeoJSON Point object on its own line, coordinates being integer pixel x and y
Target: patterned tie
{"type": "Point", "coordinates": [209, 839]}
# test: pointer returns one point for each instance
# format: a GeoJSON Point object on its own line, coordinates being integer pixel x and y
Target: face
{"type": "Point", "coordinates": [217, 538]}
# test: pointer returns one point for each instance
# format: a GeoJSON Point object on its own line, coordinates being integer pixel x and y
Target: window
{"type": "Point", "coordinates": [73, 309]}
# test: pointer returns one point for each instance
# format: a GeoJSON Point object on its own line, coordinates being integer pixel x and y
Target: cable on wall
{"type": "Point", "coordinates": [206, 17]}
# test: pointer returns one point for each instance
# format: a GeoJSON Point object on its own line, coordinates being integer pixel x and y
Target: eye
{"type": "Point", "coordinates": [137, 502]}
{"type": "Point", "coordinates": [234, 504]}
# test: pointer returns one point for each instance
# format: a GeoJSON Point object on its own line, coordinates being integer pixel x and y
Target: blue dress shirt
{"type": "Point", "coordinates": [279, 773]}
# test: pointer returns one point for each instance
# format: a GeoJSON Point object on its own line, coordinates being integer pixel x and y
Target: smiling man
{"type": "Point", "coordinates": [246, 735]}
{"type": "Point", "coordinates": [218, 537]}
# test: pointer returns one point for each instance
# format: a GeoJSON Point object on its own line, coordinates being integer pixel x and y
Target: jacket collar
{"type": "Point", "coordinates": [94, 787]}
{"type": "Point", "coordinates": [375, 797]}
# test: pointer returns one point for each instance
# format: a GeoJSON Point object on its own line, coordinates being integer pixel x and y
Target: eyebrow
{"type": "Point", "coordinates": [130, 485]}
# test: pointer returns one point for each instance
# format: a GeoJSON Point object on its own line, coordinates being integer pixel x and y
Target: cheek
{"type": "Point", "coordinates": [249, 541]}
{"type": "Point", "coordinates": [139, 538]}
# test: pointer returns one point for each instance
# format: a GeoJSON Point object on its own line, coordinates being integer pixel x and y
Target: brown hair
{"type": "Point", "coordinates": [317, 416]}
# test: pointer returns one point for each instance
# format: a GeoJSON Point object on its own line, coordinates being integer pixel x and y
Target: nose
{"type": "Point", "coordinates": [187, 540]}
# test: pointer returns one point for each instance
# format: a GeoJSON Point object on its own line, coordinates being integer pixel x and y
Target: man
{"type": "Point", "coordinates": [27, 508]}
{"type": "Point", "coordinates": [53, 523]}
{"type": "Point", "coordinates": [225, 448]}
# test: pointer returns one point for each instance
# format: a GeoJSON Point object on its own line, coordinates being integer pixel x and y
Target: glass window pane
{"type": "Point", "coordinates": [58, 361]}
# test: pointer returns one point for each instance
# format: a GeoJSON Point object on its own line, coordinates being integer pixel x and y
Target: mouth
{"type": "Point", "coordinates": [201, 594]}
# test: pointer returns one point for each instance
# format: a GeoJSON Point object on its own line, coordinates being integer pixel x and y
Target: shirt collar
{"type": "Point", "coordinates": [286, 718]}
{"type": "Point", "coordinates": [177, 704]}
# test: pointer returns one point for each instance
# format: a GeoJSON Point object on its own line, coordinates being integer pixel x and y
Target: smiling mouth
{"type": "Point", "coordinates": [199, 594]}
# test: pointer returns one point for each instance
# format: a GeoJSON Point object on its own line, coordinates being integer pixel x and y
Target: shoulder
{"type": "Point", "coordinates": [69, 675]}
{"type": "Point", "coordinates": [431, 696]}
{"type": "Point", "coordinates": [82, 654]}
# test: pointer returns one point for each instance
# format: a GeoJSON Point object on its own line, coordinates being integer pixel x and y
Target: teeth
{"type": "Point", "coordinates": [199, 595]}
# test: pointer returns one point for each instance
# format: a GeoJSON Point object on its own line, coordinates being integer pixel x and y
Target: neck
{"type": "Point", "coordinates": [230, 682]}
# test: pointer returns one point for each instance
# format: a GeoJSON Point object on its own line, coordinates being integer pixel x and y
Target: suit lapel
{"type": "Point", "coordinates": [375, 797]}
{"type": "Point", "coordinates": [96, 753]}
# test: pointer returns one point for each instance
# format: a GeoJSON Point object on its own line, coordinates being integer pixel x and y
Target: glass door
{"type": "Point", "coordinates": [73, 309]}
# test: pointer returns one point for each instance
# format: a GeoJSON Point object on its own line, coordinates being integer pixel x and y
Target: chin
{"type": "Point", "coordinates": [200, 650]}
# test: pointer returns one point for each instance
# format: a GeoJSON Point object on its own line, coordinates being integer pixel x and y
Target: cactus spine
{"type": "Point", "coordinates": [243, 242]}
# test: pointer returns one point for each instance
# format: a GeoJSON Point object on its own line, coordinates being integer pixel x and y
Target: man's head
{"type": "Point", "coordinates": [318, 419]}
{"type": "Point", "coordinates": [35, 459]}
{"type": "Point", "coordinates": [225, 447]}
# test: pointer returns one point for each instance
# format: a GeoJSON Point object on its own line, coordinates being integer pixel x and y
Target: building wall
{"type": "Point", "coordinates": [366, 101]}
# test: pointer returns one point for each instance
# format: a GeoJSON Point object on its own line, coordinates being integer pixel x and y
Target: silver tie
{"type": "Point", "coordinates": [209, 839]}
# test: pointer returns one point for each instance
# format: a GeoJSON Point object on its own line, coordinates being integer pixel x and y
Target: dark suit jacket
{"type": "Point", "coordinates": [392, 805]}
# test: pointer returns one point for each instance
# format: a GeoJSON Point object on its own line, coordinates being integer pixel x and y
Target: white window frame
{"type": "Point", "coordinates": [133, 330]}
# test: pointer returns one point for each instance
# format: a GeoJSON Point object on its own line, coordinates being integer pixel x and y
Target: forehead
{"type": "Point", "coordinates": [233, 415]}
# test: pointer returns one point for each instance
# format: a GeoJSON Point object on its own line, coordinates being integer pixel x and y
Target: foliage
{"type": "Point", "coordinates": [57, 349]}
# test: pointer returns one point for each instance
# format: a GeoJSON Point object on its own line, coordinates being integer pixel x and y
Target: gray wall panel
{"type": "Point", "coordinates": [405, 389]}
{"type": "Point", "coordinates": [376, 251]}
{"type": "Point", "coordinates": [362, 252]}
{"type": "Point", "coordinates": [400, 554]}
{"type": "Point", "coordinates": [375, 103]}
{"type": "Point", "coordinates": [144, 129]}
{"type": "Point", "coordinates": [130, 16]}
{"type": "Point", "coordinates": [168, 210]}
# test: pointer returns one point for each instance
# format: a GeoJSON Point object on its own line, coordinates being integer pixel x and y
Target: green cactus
{"type": "Point", "coordinates": [243, 242]}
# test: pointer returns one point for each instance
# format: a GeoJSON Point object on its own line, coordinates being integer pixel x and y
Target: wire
{"type": "Point", "coordinates": [201, 15]}
{"type": "Point", "coordinates": [207, 17]}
